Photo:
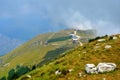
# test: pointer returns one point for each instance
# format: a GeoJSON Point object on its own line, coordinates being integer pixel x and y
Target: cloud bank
{"type": "Point", "coordinates": [31, 15]}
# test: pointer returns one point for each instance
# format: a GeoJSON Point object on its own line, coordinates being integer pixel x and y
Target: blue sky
{"type": "Point", "coordinates": [24, 19]}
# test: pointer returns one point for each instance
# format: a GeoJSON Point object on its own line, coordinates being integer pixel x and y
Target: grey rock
{"type": "Point", "coordinates": [70, 70]}
{"type": "Point", "coordinates": [101, 40]}
{"type": "Point", "coordinates": [106, 67]}
{"type": "Point", "coordinates": [57, 72]}
{"type": "Point", "coordinates": [114, 37]}
{"type": "Point", "coordinates": [28, 76]}
{"type": "Point", "coordinates": [108, 46]}
{"type": "Point", "coordinates": [90, 68]}
{"type": "Point", "coordinates": [80, 74]}
{"type": "Point", "coordinates": [100, 68]}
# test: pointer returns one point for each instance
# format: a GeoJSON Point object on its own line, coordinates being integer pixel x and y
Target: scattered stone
{"type": "Point", "coordinates": [80, 74]}
{"type": "Point", "coordinates": [114, 37]}
{"type": "Point", "coordinates": [84, 75]}
{"type": "Point", "coordinates": [106, 67]}
{"type": "Point", "coordinates": [57, 72]}
{"type": "Point", "coordinates": [97, 44]}
{"type": "Point", "coordinates": [28, 76]}
{"type": "Point", "coordinates": [104, 78]}
{"type": "Point", "coordinates": [101, 40]}
{"type": "Point", "coordinates": [90, 68]}
{"type": "Point", "coordinates": [81, 44]}
{"type": "Point", "coordinates": [70, 70]}
{"type": "Point", "coordinates": [108, 46]}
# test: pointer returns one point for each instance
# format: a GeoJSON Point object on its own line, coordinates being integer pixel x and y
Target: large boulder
{"type": "Point", "coordinates": [108, 46]}
{"type": "Point", "coordinates": [100, 68]}
{"type": "Point", "coordinates": [106, 67]}
{"type": "Point", "coordinates": [114, 37]}
{"type": "Point", "coordinates": [90, 68]}
{"type": "Point", "coordinates": [101, 40]}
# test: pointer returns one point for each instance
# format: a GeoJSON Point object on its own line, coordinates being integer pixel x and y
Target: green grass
{"type": "Point", "coordinates": [34, 51]}
{"type": "Point", "coordinates": [77, 59]}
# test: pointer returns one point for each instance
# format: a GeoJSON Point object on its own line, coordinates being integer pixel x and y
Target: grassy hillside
{"type": "Point", "coordinates": [40, 50]}
{"type": "Point", "coordinates": [76, 59]}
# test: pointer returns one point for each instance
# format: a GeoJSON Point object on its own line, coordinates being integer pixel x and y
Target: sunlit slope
{"type": "Point", "coordinates": [38, 49]}
{"type": "Point", "coordinates": [75, 60]}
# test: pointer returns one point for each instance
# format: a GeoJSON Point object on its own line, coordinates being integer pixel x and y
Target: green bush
{"type": "Point", "coordinates": [11, 74]}
{"type": "Point", "coordinates": [20, 70]}
{"type": "Point", "coordinates": [3, 78]}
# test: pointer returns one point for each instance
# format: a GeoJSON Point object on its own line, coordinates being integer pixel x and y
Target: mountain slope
{"type": "Point", "coordinates": [75, 61]}
{"type": "Point", "coordinates": [7, 44]}
{"type": "Point", "coordinates": [40, 50]}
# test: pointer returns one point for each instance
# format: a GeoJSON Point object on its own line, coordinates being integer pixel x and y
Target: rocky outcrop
{"type": "Point", "coordinates": [100, 68]}
{"type": "Point", "coordinates": [106, 67]}
{"type": "Point", "coordinates": [101, 40]}
{"type": "Point", "coordinates": [114, 37]}
{"type": "Point", "coordinates": [108, 46]}
{"type": "Point", "coordinates": [90, 68]}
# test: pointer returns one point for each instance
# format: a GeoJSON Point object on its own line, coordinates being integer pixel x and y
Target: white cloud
{"type": "Point", "coordinates": [106, 27]}
{"type": "Point", "coordinates": [80, 14]}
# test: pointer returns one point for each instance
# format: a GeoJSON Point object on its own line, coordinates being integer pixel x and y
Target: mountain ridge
{"type": "Point", "coordinates": [8, 44]}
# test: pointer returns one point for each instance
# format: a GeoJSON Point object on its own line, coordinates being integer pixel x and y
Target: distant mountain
{"type": "Point", "coordinates": [8, 44]}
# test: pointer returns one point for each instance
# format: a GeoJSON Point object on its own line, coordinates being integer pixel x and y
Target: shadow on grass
{"type": "Point", "coordinates": [53, 54]}
{"type": "Point", "coordinates": [59, 39]}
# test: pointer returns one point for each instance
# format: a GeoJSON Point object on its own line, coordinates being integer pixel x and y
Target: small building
{"type": "Point", "coordinates": [75, 38]}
